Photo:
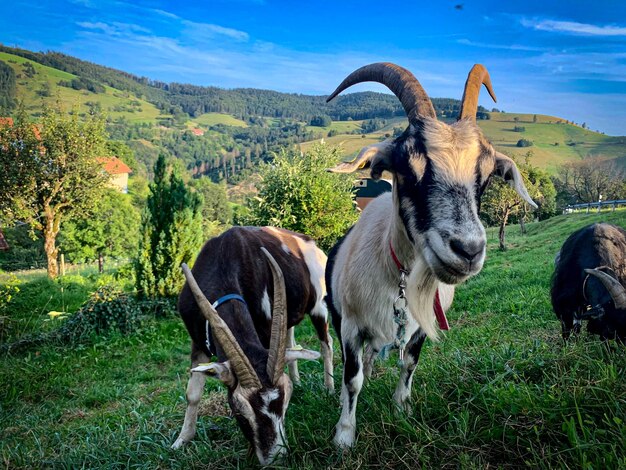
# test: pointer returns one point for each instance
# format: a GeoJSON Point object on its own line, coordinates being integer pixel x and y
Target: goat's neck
{"type": "Point", "coordinates": [398, 238]}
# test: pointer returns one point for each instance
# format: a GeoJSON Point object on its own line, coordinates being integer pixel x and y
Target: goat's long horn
{"type": "Point", "coordinates": [399, 80]}
{"type": "Point", "coordinates": [278, 339]}
{"type": "Point", "coordinates": [246, 375]}
{"type": "Point", "coordinates": [477, 77]}
{"type": "Point", "coordinates": [617, 291]}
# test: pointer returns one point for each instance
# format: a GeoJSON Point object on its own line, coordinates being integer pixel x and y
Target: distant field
{"type": "Point", "coordinates": [554, 141]}
{"type": "Point", "coordinates": [29, 89]}
{"type": "Point", "coordinates": [343, 127]}
{"type": "Point", "coordinates": [349, 143]}
{"type": "Point", "coordinates": [213, 119]}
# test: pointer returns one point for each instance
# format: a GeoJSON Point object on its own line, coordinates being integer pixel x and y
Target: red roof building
{"type": "Point", "coordinates": [119, 172]}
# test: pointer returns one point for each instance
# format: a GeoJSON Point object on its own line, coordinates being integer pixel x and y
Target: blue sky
{"type": "Point", "coordinates": [563, 58]}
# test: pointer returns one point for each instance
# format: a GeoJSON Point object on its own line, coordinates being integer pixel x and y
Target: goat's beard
{"type": "Point", "coordinates": [420, 293]}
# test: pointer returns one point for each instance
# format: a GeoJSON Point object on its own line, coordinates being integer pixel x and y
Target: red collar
{"type": "Point", "coordinates": [439, 313]}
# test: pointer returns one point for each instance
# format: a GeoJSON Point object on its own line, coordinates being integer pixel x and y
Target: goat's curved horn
{"type": "Point", "coordinates": [404, 85]}
{"type": "Point", "coordinates": [477, 77]}
{"type": "Point", "coordinates": [617, 291]}
{"type": "Point", "coordinates": [278, 339]}
{"type": "Point", "coordinates": [246, 375]}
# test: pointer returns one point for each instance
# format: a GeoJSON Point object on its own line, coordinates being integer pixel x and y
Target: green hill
{"type": "Point", "coordinates": [247, 125]}
{"type": "Point", "coordinates": [38, 84]}
{"type": "Point", "coordinates": [555, 141]}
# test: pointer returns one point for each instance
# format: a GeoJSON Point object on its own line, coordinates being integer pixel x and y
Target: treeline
{"type": "Point", "coordinates": [7, 87]}
{"type": "Point", "coordinates": [194, 100]}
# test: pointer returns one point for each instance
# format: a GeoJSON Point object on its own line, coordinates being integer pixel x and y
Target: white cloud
{"type": "Point", "coordinates": [201, 31]}
{"type": "Point", "coordinates": [508, 47]}
{"type": "Point", "coordinates": [572, 27]}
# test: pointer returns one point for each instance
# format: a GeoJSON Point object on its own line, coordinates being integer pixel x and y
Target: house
{"type": "Point", "coordinates": [197, 131]}
{"type": "Point", "coordinates": [119, 172]}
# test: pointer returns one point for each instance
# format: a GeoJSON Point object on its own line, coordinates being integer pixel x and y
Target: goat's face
{"type": "Point", "coordinates": [440, 172]}
{"type": "Point", "coordinates": [261, 417]}
{"type": "Point", "coordinates": [260, 410]}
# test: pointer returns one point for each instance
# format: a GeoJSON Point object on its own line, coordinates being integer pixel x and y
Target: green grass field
{"type": "Point", "coordinates": [554, 141]}
{"type": "Point", "coordinates": [500, 390]}
{"type": "Point", "coordinates": [28, 90]}
{"type": "Point", "coordinates": [213, 119]}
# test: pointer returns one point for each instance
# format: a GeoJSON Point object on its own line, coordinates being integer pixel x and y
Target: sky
{"type": "Point", "coordinates": [560, 58]}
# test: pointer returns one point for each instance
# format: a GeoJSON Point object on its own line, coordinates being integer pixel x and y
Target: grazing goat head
{"type": "Point", "coordinates": [588, 282]}
{"type": "Point", "coordinates": [439, 171]}
{"type": "Point", "coordinates": [258, 389]}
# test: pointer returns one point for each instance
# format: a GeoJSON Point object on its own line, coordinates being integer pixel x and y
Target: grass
{"type": "Point", "coordinates": [500, 390]}
{"type": "Point", "coordinates": [213, 119]}
{"type": "Point", "coordinates": [28, 88]}
{"type": "Point", "coordinates": [573, 142]}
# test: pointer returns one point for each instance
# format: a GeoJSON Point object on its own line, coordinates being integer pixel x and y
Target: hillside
{"type": "Point", "coordinates": [245, 126]}
{"type": "Point", "coordinates": [500, 390]}
{"type": "Point", "coordinates": [39, 84]}
{"type": "Point", "coordinates": [555, 141]}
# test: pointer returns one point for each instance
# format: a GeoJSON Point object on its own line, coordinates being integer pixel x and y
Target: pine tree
{"type": "Point", "coordinates": [171, 232]}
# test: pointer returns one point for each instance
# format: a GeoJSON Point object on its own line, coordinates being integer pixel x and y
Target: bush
{"type": "Point", "coordinates": [320, 121]}
{"type": "Point", "coordinates": [299, 194]}
{"type": "Point", "coordinates": [108, 311]}
{"type": "Point", "coordinates": [524, 143]}
{"type": "Point", "coordinates": [8, 288]}
{"type": "Point", "coordinates": [519, 129]}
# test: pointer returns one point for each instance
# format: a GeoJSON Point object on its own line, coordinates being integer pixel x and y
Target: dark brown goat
{"type": "Point", "coordinates": [589, 279]}
{"type": "Point", "coordinates": [248, 336]}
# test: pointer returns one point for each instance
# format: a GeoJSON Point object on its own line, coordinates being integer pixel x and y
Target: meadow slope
{"type": "Point", "coordinates": [500, 390]}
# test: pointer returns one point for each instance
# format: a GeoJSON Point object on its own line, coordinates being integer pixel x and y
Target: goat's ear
{"type": "Point", "coordinates": [507, 170]}
{"type": "Point", "coordinates": [375, 156]}
{"type": "Point", "coordinates": [301, 354]}
{"type": "Point", "coordinates": [218, 370]}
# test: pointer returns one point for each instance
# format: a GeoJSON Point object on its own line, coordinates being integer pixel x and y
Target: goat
{"type": "Point", "coordinates": [246, 326]}
{"type": "Point", "coordinates": [425, 233]}
{"type": "Point", "coordinates": [588, 282]}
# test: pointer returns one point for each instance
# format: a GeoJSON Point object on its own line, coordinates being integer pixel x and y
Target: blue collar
{"type": "Point", "coordinates": [227, 297]}
{"type": "Point", "coordinates": [222, 300]}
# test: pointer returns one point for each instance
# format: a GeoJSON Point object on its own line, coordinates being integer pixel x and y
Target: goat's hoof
{"type": "Point", "coordinates": [403, 408]}
{"type": "Point", "coordinates": [178, 444]}
{"type": "Point", "coordinates": [344, 437]}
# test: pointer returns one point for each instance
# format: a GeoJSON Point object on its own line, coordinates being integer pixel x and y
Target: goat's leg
{"type": "Point", "coordinates": [369, 356]}
{"type": "Point", "coordinates": [352, 382]}
{"type": "Point", "coordinates": [411, 356]}
{"type": "Point", "coordinates": [195, 387]}
{"type": "Point", "coordinates": [293, 365]}
{"type": "Point", "coordinates": [320, 322]}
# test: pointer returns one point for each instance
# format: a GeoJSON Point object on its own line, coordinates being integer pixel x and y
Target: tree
{"type": "Point", "coordinates": [51, 172]}
{"type": "Point", "coordinates": [500, 202]}
{"type": "Point", "coordinates": [216, 210]}
{"type": "Point", "coordinates": [171, 232]}
{"type": "Point", "coordinates": [298, 193]}
{"type": "Point", "coordinates": [111, 231]}
{"type": "Point", "coordinates": [585, 181]}
{"type": "Point", "coordinates": [7, 88]}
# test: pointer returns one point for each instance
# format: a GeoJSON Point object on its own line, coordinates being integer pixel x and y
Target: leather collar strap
{"type": "Point", "coordinates": [440, 315]}
{"type": "Point", "coordinates": [222, 300]}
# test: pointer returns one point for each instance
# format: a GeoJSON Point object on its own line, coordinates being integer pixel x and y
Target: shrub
{"type": "Point", "coordinates": [108, 311]}
{"type": "Point", "coordinates": [524, 143]}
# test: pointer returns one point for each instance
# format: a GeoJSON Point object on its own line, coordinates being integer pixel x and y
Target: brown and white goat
{"type": "Point", "coordinates": [428, 226]}
{"type": "Point", "coordinates": [249, 337]}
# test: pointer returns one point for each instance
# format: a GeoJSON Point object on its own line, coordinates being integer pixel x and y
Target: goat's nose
{"type": "Point", "coordinates": [468, 250]}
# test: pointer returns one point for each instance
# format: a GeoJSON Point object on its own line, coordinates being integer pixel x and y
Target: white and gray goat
{"type": "Point", "coordinates": [256, 302]}
{"type": "Point", "coordinates": [426, 232]}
